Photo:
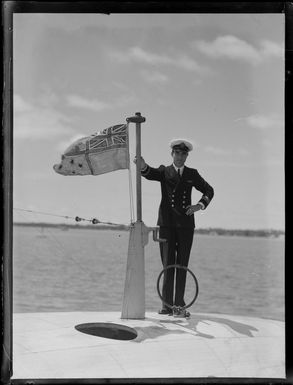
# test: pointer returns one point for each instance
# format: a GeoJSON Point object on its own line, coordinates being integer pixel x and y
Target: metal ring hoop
{"type": "Point", "coordinates": [179, 267]}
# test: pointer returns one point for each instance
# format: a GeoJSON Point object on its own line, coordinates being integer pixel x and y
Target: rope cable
{"type": "Point", "coordinates": [76, 218]}
{"type": "Point", "coordinates": [43, 213]}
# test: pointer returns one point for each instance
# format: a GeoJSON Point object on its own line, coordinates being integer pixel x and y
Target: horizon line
{"type": "Point", "coordinates": [121, 225]}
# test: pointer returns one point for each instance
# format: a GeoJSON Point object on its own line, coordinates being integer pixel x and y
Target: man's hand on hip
{"type": "Point", "coordinates": [193, 208]}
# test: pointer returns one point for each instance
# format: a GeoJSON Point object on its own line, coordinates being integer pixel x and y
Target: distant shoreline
{"type": "Point", "coordinates": [269, 233]}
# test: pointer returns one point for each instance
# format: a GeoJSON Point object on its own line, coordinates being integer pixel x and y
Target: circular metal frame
{"type": "Point", "coordinates": [178, 267]}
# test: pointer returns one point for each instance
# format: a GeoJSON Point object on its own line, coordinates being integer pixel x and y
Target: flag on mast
{"type": "Point", "coordinates": [103, 152]}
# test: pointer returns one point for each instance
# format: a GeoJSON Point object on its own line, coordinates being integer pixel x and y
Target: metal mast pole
{"type": "Point", "coordinates": [133, 306]}
{"type": "Point", "coordinates": [138, 119]}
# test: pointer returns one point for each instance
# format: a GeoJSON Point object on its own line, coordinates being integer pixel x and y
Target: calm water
{"type": "Point", "coordinates": [78, 269]}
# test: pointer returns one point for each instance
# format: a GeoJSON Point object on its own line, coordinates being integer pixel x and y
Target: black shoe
{"type": "Point", "coordinates": [186, 314]}
{"type": "Point", "coordinates": [177, 312]}
{"type": "Point", "coordinates": [181, 313]}
{"type": "Point", "coordinates": [165, 311]}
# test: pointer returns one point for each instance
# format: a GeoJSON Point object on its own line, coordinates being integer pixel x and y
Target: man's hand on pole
{"type": "Point", "coordinates": [142, 162]}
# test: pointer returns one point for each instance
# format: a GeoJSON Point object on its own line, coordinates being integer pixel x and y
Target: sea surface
{"type": "Point", "coordinates": [84, 270]}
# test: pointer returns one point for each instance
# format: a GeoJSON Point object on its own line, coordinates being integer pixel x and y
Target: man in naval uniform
{"type": "Point", "coordinates": [176, 218]}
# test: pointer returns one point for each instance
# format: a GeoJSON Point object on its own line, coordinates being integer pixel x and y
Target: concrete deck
{"type": "Point", "coordinates": [47, 345]}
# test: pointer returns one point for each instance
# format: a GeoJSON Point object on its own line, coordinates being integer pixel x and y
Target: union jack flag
{"type": "Point", "coordinates": [105, 151]}
{"type": "Point", "coordinates": [112, 137]}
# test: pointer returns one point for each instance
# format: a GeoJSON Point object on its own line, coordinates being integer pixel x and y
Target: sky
{"type": "Point", "coordinates": [214, 79]}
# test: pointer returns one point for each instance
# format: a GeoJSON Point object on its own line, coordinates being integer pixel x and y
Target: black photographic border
{"type": "Point", "coordinates": [108, 7]}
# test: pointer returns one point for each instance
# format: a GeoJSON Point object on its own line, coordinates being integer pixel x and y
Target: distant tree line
{"type": "Point", "coordinates": [121, 227]}
{"type": "Point", "coordinates": [242, 232]}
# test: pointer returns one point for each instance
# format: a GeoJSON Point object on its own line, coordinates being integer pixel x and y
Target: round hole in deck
{"type": "Point", "coordinates": [107, 330]}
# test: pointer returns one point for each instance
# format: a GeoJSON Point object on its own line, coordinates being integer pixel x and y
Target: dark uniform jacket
{"type": "Point", "coordinates": [176, 194]}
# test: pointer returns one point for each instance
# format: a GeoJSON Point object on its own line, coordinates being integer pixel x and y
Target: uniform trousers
{"type": "Point", "coordinates": [175, 251]}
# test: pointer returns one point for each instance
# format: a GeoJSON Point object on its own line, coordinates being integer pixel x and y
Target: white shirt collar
{"type": "Point", "coordinates": [179, 168]}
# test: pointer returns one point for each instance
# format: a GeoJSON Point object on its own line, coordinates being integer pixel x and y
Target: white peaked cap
{"type": "Point", "coordinates": [184, 142]}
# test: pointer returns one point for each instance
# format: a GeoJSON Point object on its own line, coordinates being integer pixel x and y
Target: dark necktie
{"type": "Point", "coordinates": [178, 172]}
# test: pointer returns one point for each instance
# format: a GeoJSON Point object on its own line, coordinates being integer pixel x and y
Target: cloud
{"type": "Point", "coordinates": [263, 122]}
{"type": "Point", "coordinates": [154, 77]}
{"type": "Point", "coordinates": [233, 48]}
{"type": "Point", "coordinates": [32, 121]}
{"type": "Point", "coordinates": [20, 105]}
{"type": "Point", "coordinates": [220, 151]}
{"type": "Point", "coordinates": [139, 55]}
{"type": "Point", "coordinates": [272, 49]}
{"type": "Point", "coordinates": [216, 150]}
{"type": "Point", "coordinates": [78, 101]}
{"type": "Point", "coordinates": [64, 144]}
{"type": "Point", "coordinates": [89, 104]}
{"type": "Point", "coordinates": [48, 98]}
{"type": "Point", "coordinates": [41, 120]}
